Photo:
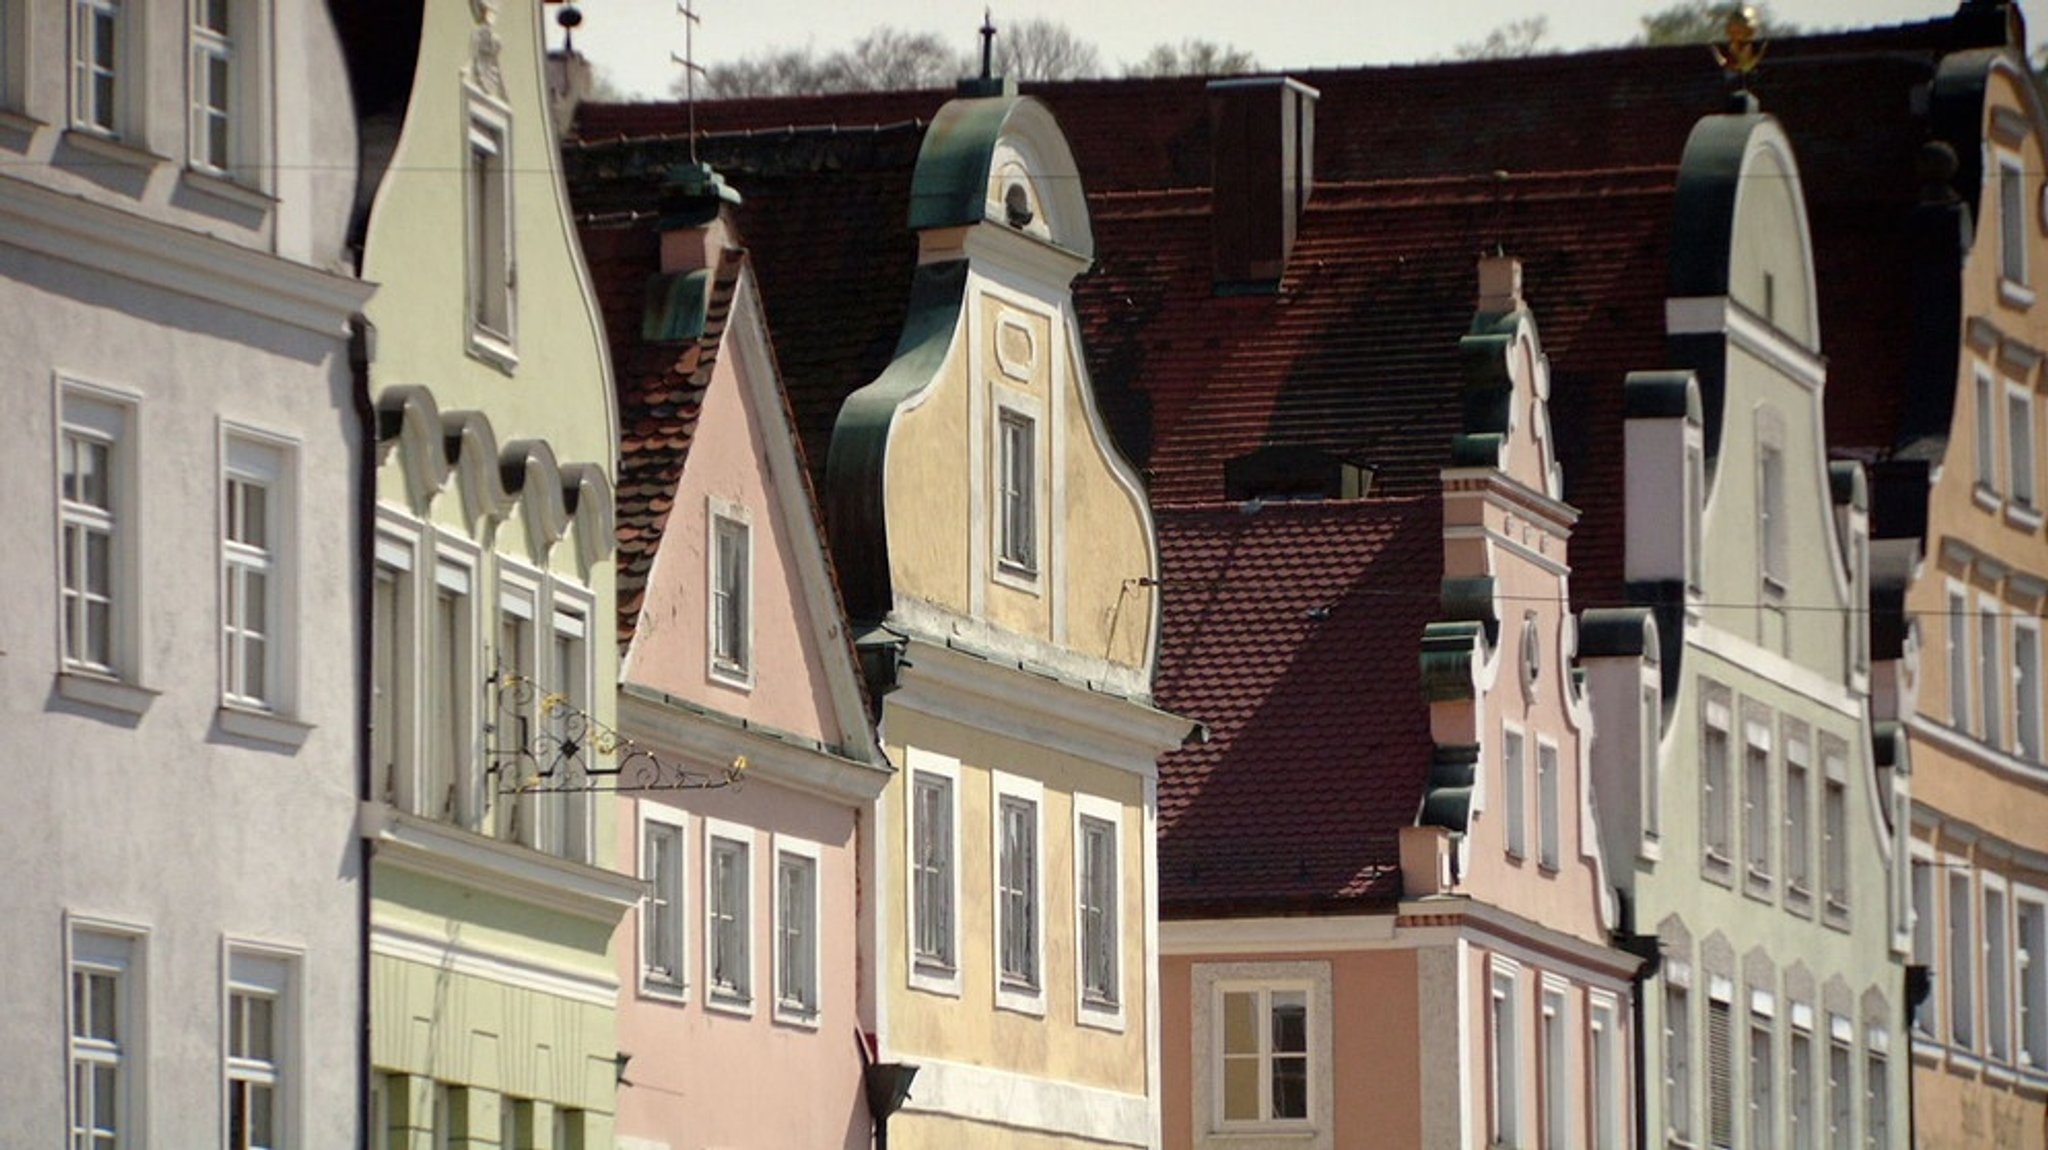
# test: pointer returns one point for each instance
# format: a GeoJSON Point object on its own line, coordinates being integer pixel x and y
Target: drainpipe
{"type": "Point", "coordinates": [1647, 948]}
{"type": "Point", "coordinates": [365, 549]}
{"type": "Point", "coordinates": [1919, 983]}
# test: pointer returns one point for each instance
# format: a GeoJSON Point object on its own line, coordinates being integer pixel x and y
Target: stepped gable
{"type": "Point", "coordinates": [1292, 631]}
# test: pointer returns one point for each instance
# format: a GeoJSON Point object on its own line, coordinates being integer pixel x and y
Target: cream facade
{"type": "Point", "coordinates": [180, 441]}
{"type": "Point", "coordinates": [493, 988]}
{"type": "Point", "coordinates": [998, 556]}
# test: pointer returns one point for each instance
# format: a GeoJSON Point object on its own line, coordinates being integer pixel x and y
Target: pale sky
{"type": "Point", "coordinates": [630, 40]}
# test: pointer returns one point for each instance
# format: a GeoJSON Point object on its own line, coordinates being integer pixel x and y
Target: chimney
{"type": "Point", "coordinates": [570, 82]}
{"type": "Point", "coordinates": [696, 217]}
{"type": "Point", "coordinates": [1500, 284]}
{"type": "Point", "coordinates": [1263, 133]}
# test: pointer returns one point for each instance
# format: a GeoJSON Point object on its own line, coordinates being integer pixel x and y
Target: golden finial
{"type": "Point", "coordinates": [1745, 49]}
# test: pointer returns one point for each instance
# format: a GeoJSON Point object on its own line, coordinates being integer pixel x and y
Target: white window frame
{"type": "Point", "coordinates": [2030, 978]}
{"type": "Point", "coordinates": [490, 262]}
{"type": "Point", "coordinates": [1835, 818]}
{"type": "Point", "coordinates": [1549, 805]}
{"type": "Point", "coordinates": [732, 996]}
{"type": "Point", "coordinates": [1758, 811]}
{"type": "Point", "coordinates": [262, 970]}
{"type": "Point", "coordinates": [1798, 818]}
{"type": "Point", "coordinates": [1025, 992]}
{"type": "Point", "coordinates": [1717, 803]}
{"type": "Point", "coordinates": [1018, 522]}
{"type": "Point", "coordinates": [398, 558]}
{"type": "Point", "coordinates": [1926, 898]}
{"type": "Point", "coordinates": [1606, 1062]}
{"type": "Point", "coordinates": [1695, 511]}
{"type": "Point", "coordinates": [457, 570]}
{"type": "Point", "coordinates": [1209, 983]}
{"type": "Point", "coordinates": [937, 973]}
{"type": "Point", "coordinates": [1514, 773]}
{"type": "Point", "coordinates": [1095, 1009]}
{"type": "Point", "coordinates": [1994, 931]}
{"type": "Point", "coordinates": [1774, 550]}
{"type": "Point", "coordinates": [1987, 438]}
{"type": "Point", "coordinates": [569, 832]}
{"type": "Point", "coordinates": [1650, 719]}
{"type": "Point", "coordinates": [105, 947]}
{"type": "Point", "coordinates": [1506, 1116]}
{"type": "Point", "coordinates": [1962, 662]}
{"type": "Point", "coordinates": [239, 49]}
{"type": "Point", "coordinates": [1553, 1062]}
{"type": "Point", "coordinates": [2026, 688]}
{"type": "Point", "coordinates": [1679, 1058]}
{"type": "Point", "coordinates": [1877, 1092]}
{"type": "Point", "coordinates": [1990, 666]}
{"type": "Point", "coordinates": [1761, 1066]}
{"type": "Point", "coordinates": [1960, 1007]}
{"type": "Point", "coordinates": [797, 947]}
{"type": "Point", "coordinates": [726, 523]}
{"type": "Point", "coordinates": [674, 984]}
{"type": "Point", "coordinates": [1841, 1082]}
{"type": "Point", "coordinates": [113, 115]}
{"type": "Point", "coordinates": [109, 418]}
{"type": "Point", "coordinates": [2013, 232]}
{"type": "Point", "coordinates": [2020, 449]}
{"type": "Point", "coordinates": [257, 459]}
{"type": "Point", "coordinates": [516, 816]}
{"type": "Point", "coordinates": [1801, 1130]}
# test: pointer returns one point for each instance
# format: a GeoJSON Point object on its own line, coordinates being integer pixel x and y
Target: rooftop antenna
{"type": "Point", "coordinates": [988, 43]}
{"type": "Point", "coordinates": [691, 69]}
{"type": "Point", "coordinates": [569, 18]}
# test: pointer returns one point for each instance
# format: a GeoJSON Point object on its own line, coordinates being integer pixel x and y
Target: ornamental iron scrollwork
{"type": "Point", "coordinates": [540, 742]}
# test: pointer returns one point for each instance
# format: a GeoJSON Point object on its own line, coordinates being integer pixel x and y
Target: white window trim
{"type": "Point", "coordinates": [1759, 860]}
{"type": "Point", "coordinates": [1719, 715]}
{"type": "Point", "coordinates": [1088, 1011]}
{"type": "Point", "coordinates": [1799, 875]}
{"type": "Point", "coordinates": [1649, 717]}
{"type": "Point", "coordinates": [1836, 898]}
{"type": "Point", "coordinates": [1012, 404]}
{"type": "Point", "coordinates": [573, 614]}
{"type": "Point", "coordinates": [128, 70]}
{"type": "Point", "coordinates": [786, 1011]}
{"type": "Point", "coordinates": [271, 461]}
{"type": "Point", "coordinates": [457, 564]}
{"type": "Point", "coordinates": [1210, 981]}
{"type": "Point", "coordinates": [924, 974]}
{"type": "Point", "coordinates": [273, 970]}
{"type": "Point", "coordinates": [515, 811]}
{"type": "Point", "coordinates": [1961, 656]}
{"type": "Point", "coordinates": [107, 943]}
{"type": "Point", "coordinates": [1988, 483]}
{"type": "Point", "coordinates": [2029, 965]}
{"type": "Point", "coordinates": [1991, 696]}
{"type": "Point", "coordinates": [1010, 994]}
{"type": "Point", "coordinates": [2023, 730]}
{"type": "Point", "coordinates": [1678, 1121]}
{"type": "Point", "coordinates": [249, 94]}
{"type": "Point", "coordinates": [674, 986]}
{"type": "Point", "coordinates": [488, 120]}
{"type": "Point", "coordinates": [1549, 805]}
{"type": "Point", "coordinates": [2016, 290]}
{"type": "Point", "coordinates": [1997, 1006]}
{"type": "Point", "coordinates": [739, 675]}
{"type": "Point", "coordinates": [1554, 1067]}
{"type": "Point", "coordinates": [1514, 775]}
{"type": "Point", "coordinates": [113, 415]}
{"type": "Point", "coordinates": [1607, 1111]}
{"type": "Point", "coordinates": [2021, 502]}
{"type": "Point", "coordinates": [1922, 862]}
{"type": "Point", "coordinates": [1955, 869]}
{"type": "Point", "coordinates": [1774, 533]}
{"type": "Point", "coordinates": [1504, 1074]}
{"type": "Point", "coordinates": [399, 549]}
{"type": "Point", "coordinates": [727, 1000]}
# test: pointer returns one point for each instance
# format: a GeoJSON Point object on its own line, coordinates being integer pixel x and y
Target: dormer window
{"type": "Point", "coordinates": [2012, 220]}
{"type": "Point", "coordinates": [1017, 494]}
{"type": "Point", "coordinates": [731, 597]}
{"type": "Point", "coordinates": [487, 234]}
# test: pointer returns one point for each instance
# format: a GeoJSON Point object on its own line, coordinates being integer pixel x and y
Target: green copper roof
{"type": "Point", "coordinates": [676, 306]}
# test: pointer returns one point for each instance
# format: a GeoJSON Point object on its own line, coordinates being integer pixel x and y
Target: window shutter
{"type": "Point", "coordinates": [1720, 1076]}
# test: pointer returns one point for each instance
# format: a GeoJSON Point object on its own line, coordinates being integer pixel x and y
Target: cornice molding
{"type": "Point", "coordinates": [650, 716]}
{"type": "Point", "coordinates": [437, 850]}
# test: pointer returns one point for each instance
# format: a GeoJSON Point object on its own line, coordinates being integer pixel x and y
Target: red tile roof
{"type": "Point", "coordinates": [1294, 632]}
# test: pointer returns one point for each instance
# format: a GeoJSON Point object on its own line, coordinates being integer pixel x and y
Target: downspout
{"type": "Point", "coordinates": [1647, 948]}
{"type": "Point", "coordinates": [365, 550]}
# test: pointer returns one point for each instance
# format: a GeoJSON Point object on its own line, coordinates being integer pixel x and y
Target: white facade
{"type": "Point", "coordinates": [178, 615]}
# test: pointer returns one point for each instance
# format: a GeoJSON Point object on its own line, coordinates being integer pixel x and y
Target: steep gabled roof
{"type": "Point", "coordinates": [1293, 631]}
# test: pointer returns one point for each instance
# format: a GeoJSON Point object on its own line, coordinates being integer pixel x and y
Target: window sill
{"type": "Point", "coordinates": [728, 1002]}
{"type": "Point", "coordinates": [1835, 914]}
{"type": "Point", "coordinates": [934, 978]}
{"type": "Point", "coordinates": [1650, 849]}
{"type": "Point", "coordinates": [1983, 496]}
{"type": "Point", "coordinates": [105, 692]}
{"type": "Point", "coordinates": [801, 1017]}
{"type": "Point", "coordinates": [1101, 1016]}
{"type": "Point", "coordinates": [1022, 1000]}
{"type": "Point", "coordinates": [1774, 588]}
{"type": "Point", "coordinates": [263, 727]}
{"type": "Point", "coordinates": [664, 990]}
{"type": "Point", "coordinates": [1017, 577]}
{"type": "Point", "coordinates": [730, 675]}
{"type": "Point", "coordinates": [14, 121]}
{"type": "Point", "coordinates": [113, 149]}
{"type": "Point", "coordinates": [1716, 868]}
{"type": "Point", "coordinates": [493, 349]}
{"type": "Point", "coordinates": [2023, 516]}
{"type": "Point", "coordinates": [1798, 900]}
{"type": "Point", "coordinates": [2015, 294]}
{"type": "Point", "coordinates": [229, 190]}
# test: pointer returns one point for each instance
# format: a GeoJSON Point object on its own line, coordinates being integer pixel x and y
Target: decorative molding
{"type": "Point", "coordinates": [1027, 1102]}
{"type": "Point", "coordinates": [1721, 315]}
{"type": "Point", "coordinates": [446, 852]}
{"type": "Point", "coordinates": [648, 715]}
{"type": "Point", "coordinates": [454, 957]}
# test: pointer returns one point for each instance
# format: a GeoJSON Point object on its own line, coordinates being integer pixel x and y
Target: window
{"type": "Point", "coordinates": [1756, 798]}
{"type": "Point", "coordinates": [2012, 221]}
{"type": "Point", "coordinates": [1771, 523]}
{"type": "Point", "coordinates": [106, 1055]}
{"type": "Point", "coordinates": [663, 926]}
{"type": "Point", "coordinates": [1763, 1108]}
{"type": "Point", "coordinates": [1554, 1071]}
{"type": "Point", "coordinates": [1923, 940]}
{"type": "Point", "coordinates": [1988, 664]}
{"type": "Point", "coordinates": [1835, 836]}
{"type": "Point", "coordinates": [728, 901]}
{"type": "Point", "coordinates": [796, 930]}
{"type": "Point", "coordinates": [451, 691]}
{"type": "Point", "coordinates": [1720, 1073]}
{"type": "Point", "coordinates": [1798, 812]}
{"type": "Point", "coordinates": [934, 874]}
{"type": "Point", "coordinates": [255, 497]}
{"type": "Point", "coordinates": [1018, 930]}
{"type": "Point", "coordinates": [1265, 1054]}
{"type": "Point", "coordinates": [1097, 897]}
{"type": "Point", "coordinates": [1503, 1072]}
{"type": "Point", "coordinates": [1609, 1109]}
{"type": "Point", "coordinates": [570, 1128]}
{"type": "Point", "coordinates": [258, 1011]}
{"type": "Point", "coordinates": [1017, 498]}
{"type": "Point", "coordinates": [1716, 798]}
{"type": "Point", "coordinates": [488, 232]}
{"type": "Point", "coordinates": [1678, 1061]}
{"type": "Point", "coordinates": [1958, 660]}
{"type": "Point", "coordinates": [1514, 770]}
{"type": "Point", "coordinates": [2030, 969]}
{"type": "Point", "coordinates": [731, 599]}
{"type": "Point", "coordinates": [1841, 1113]}
{"type": "Point", "coordinates": [1547, 830]}
{"type": "Point", "coordinates": [213, 77]}
{"type": "Point", "coordinates": [1877, 1096]}
{"type": "Point", "coordinates": [94, 485]}
{"type": "Point", "coordinates": [392, 701]}
{"type": "Point", "coordinates": [563, 827]}
{"type": "Point", "coordinates": [2026, 689]}
{"type": "Point", "coordinates": [99, 63]}
{"type": "Point", "coordinates": [1695, 512]}
{"type": "Point", "coordinates": [1987, 434]}
{"type": "Point", "coordinates": [1799, 1089]}
{"type": "Point", "coordinates": [1962, 1008]}
{"type": "Point", "coordinates": [1652, 768]}
{"type": "Point", "coordinates": [1997, 976]}
{"type": "Point", "coordinates": [517, 669]}
{"type": "Point", "coordinates": [2019, 449]}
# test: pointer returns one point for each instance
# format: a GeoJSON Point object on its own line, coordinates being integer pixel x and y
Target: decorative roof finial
{"type": "Point", "coordinates": [1745, 49]}
{"type": "Point", "coordinates": [988, 43]}
{"type": "Point", "coordinates": [570, 18]}
{"type": "Point", "coordinates": [691, 69]}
